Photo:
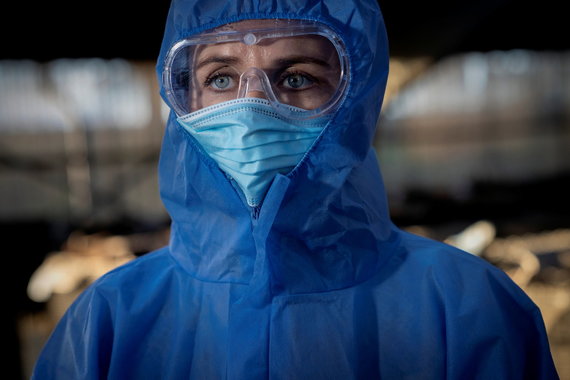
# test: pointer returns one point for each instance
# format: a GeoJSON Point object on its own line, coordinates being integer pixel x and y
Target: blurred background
{"type": "Point", "coordinates": [473, 141]}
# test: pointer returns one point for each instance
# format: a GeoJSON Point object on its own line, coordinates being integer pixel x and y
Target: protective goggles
{"type": "Point", "coordinates": [300, 67]}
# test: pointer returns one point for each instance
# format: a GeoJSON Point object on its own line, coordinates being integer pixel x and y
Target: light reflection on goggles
{"type": "Point", "coordinates": [290, 63]}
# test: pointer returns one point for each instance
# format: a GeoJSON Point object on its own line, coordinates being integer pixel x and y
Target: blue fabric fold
{"type": "Point", "coordinates": [317, 282]}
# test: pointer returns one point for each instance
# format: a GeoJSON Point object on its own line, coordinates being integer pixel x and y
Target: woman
{"type": "Point", "coordinates": [283, 262]}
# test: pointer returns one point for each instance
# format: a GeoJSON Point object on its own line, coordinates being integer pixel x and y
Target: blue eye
{"type": "Point", "coordinates": [221, 82]}
{"type": "Point", "coordinates": [297, 81]}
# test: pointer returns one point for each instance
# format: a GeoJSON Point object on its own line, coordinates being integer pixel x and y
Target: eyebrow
{"type": "Point", "coordinates": [218, 59]}
{"type": "Point", "coordinates": [288, 61]}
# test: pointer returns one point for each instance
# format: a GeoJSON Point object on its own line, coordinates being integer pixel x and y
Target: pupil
{"type": "Point", "coordinates": [295, 81]}
{"type": "Point", "coordinates": [222, 82]}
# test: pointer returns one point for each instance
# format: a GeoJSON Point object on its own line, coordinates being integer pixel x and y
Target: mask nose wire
{"type": "Point", "coordinates": [254, 82]}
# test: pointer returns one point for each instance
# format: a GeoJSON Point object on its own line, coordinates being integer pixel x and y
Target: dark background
{"type": "Point", "coordinates": [133, 29]}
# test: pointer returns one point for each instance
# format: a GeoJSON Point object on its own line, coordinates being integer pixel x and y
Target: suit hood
{"type": "Point", "coordinates": [323, 225]}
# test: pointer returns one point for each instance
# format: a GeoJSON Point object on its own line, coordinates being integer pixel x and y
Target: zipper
{"type": "Point", "coordinates": [255, 212]}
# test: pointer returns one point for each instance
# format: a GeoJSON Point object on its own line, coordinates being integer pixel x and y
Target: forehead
{"type": "Point", "coordinates": [310, 45]}
{"type": "Point", "coordinates": [268, 49]}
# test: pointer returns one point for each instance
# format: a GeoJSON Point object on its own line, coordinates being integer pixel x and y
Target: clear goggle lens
{"type": "Point", "coordinates": [299, 67]}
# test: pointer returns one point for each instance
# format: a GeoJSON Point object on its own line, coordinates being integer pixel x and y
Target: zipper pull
{"type": "Point", "coordinates": [255, 212]}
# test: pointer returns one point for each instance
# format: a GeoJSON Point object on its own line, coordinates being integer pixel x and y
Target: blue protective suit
{"type": "Point", "coordinates": [317, 283]}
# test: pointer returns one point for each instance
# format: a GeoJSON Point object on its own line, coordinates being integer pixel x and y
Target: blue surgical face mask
{"type": "Point", "coordinates": [251, 143]}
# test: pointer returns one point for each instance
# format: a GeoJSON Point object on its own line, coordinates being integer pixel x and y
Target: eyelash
{"type": "Point", "coordinates": [284, 74]}
{"type": "Point", "coordinates": [215, 76]}
{"type": "Point", "coordinates": [287, 73]}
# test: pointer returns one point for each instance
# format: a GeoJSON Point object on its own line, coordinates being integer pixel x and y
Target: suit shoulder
{"type": "Point", "coordinates": [462, 274]}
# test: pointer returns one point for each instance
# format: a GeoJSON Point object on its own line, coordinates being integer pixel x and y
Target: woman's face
{"type": "Point", "coordinates": [303, 71]}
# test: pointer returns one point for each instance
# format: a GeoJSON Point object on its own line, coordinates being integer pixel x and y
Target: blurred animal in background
{"type": "Point", "coordinates": [82, 259]}
{"type": "Point", "coordinates": [64, 274]}
{"type": "Point", "coordinates": [542, 257]}
{"type": "Point", "coordinates": [475, 238]}
{"type": "Point", "coordinates": [534, 257]}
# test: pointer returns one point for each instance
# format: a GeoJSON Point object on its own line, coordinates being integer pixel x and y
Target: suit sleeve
{"type": "Point", "coordinates": [80, 345]}
{"type": "Point", "coordinates": [496, 332]}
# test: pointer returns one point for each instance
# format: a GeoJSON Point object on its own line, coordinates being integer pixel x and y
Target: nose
{"type": "Point", "coordinates": [251, 85]}
{"type": "Point", "coordinates": [256, 94]}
